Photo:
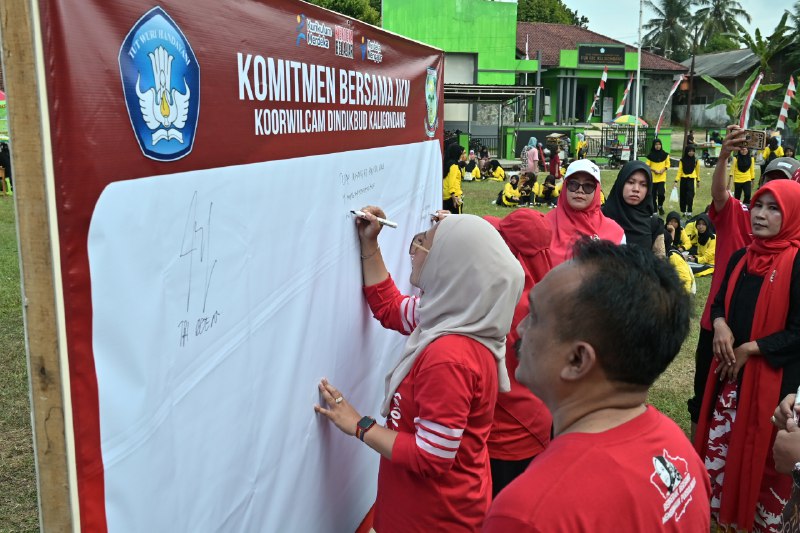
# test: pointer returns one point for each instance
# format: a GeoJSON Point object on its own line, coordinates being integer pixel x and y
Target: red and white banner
{"type": "Point", "coordinates": [600, 87]}
{"type": "Point", "coordinates": [624, 97]}
{"type": "Point", "coordinates": [787, 101]}
{"type": "Point", "coordinates": [206, 157]}
{"type": "Point", "coordinates": [745, 116]}
{"type": "Point", "coordinates": [669, 97]}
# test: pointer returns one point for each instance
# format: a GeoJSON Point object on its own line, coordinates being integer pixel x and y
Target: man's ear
{"type": "Point", "coordinates": [581, 361]}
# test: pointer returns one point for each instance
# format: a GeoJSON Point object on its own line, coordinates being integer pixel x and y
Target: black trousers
{"type": "Point", "coordinates": [658, 196]}
{"type": "Point", "coordinates": [686, 194]}
{"type": "Point", "coordinates": [702, 366]}
{"type": "Point", "coordinates": [450, 205]}
{"type": "Point", "coordinates": [746, 188]}
{"type": "Point", "coordinates": [504, 472]}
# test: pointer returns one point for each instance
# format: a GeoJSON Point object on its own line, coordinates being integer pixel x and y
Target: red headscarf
{"type": "Point", "coordinates": [568, 225]}
{"type": "Point", "coordinates": [527, 235]}
{"type": "Point", "coordinates": [752, 434]}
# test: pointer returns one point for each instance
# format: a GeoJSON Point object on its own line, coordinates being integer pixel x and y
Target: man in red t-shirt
{"type": "Point", "coordinates": [615, 463]}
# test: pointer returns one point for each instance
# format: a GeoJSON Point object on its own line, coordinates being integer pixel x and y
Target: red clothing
{"type": "Point", "coordinates": [640, 476]}
{"type": "Point", "coordinates": [522, 422]}
{"type": "Point", "coordinates": [752, 434]}
{"type": "Point", "coordinates": [733, 233]}
{"type": "Point", "coordinates": [439, 476]}
{"type": "Point", "coordinates": [568, 225]}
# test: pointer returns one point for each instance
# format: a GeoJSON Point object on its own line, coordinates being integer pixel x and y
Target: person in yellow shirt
{"type": "Point", "coordinates": [511, 193]}
{"type": "Point", "coordinates": [703, 260]}
{"type": "Point", "coordinates": [452, 196]}
{"type": "Point", "coordinates": [680, 238]}
{"type": "Point", "coordinates": [658, 161]}
{"type": "Point", "coordinates": [497, 172]}
{"type": "Point", "coordinates": [688, 177]}
{"type": "Point", "coordinates": [682, 268]}
{"type": "Point", "coordinates": [471, 170]}
{"type": "Point", "coordinates": [743, 170]}
{"type": "Point", "coordinates": [581, 146]}
{"type": "Point", "coordinates": [773, 150]}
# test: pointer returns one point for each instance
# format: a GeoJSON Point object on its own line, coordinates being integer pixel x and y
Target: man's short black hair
{"type": "Point", "coordinates": [630, 306]}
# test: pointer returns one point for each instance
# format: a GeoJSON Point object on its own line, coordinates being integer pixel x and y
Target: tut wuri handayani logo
{"type": "Point", "coordinates": [161, 84]}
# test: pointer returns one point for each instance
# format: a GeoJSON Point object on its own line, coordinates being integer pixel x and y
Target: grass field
{"type": "Point", "coordinates": [18, 505]}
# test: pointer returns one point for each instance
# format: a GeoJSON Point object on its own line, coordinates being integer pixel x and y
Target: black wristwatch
{"type": "Point", "coordinates": [364, 425]}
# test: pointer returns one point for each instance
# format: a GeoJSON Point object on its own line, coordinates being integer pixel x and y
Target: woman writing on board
{"type": "Point", "coordinates": [441, 394]}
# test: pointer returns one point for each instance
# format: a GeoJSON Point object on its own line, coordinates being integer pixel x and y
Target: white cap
{"type": "Point", "coordinates": [585, 166]}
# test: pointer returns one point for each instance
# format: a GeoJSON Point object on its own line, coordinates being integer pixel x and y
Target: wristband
{"type": "Point", "coordinates": [364, 425]}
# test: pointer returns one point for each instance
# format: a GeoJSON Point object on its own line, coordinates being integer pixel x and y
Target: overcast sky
{"type": "Point", "coordinates": [622, 22]}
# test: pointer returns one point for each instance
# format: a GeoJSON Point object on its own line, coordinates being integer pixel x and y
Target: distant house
{"type": "Point", "coordinates": [572, 60]}
{"type": "Point", "coordinates": [731, 69]}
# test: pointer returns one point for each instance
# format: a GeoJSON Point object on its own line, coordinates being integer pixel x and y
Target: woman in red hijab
{"type": "Point", "coordinates": [578, 212]}
{"type": "Point", "coordinates": [756, 318]}
{"type": "Point", "coordinates": [522, 423]}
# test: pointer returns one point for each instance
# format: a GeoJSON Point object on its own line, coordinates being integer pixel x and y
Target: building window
{"type": "Point", "coordinates": [546, 99]}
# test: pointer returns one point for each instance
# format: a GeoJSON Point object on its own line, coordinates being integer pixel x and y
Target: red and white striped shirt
{"type": "Point", "coordinates": [439, 476]}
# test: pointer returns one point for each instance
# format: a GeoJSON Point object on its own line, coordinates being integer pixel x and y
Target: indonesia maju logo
{"type": "Point", "coordinates": [161, 83]}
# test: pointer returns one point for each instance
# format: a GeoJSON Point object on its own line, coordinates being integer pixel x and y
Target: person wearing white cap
{"type": "Point", "coordinates": [578, 213]}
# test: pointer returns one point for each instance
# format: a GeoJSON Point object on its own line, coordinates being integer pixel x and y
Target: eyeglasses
{"type": "Point", "coordinates": [416, 243]}
{"type": "Point", "coordinates": [587, 188]}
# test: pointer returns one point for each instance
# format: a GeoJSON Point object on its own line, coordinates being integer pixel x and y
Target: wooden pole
{"type": "Point", "coordinates": [20, 44]}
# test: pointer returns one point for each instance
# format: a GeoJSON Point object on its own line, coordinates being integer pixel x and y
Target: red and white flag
{"type": "Point", "coordinates": [669, 96]}
{"type": "Point", "coordinates": [749, 102]}
{"type": "Point", "coordinates": [787, 100]}
{"type": "Point", "coordinates": [624, 97]}
{"type": "Point", "coordinates": [602, 86]}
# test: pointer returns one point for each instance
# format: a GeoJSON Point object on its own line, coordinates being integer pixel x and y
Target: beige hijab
{"type": "Point", "coordinates": [470, 285]}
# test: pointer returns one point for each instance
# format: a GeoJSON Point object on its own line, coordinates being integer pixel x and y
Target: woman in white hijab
{"type": "Point", "coordinates": [440, 395]}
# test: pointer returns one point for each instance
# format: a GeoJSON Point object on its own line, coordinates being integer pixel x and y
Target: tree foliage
{"type": "Point", "coordinates": [734, 103]}
{"type": "Point", "coordinates": [549, 11]}
{"type": "Point", "coordinates": [719, 17]}
{"type": "Point", "coordinates": [362, 10]}
{"type": "Point", "coordinates": [667, 31]}
{"type": "Point", "coordinates": [765, 48]}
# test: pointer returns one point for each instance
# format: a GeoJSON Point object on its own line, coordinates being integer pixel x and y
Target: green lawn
{"type": "Point", "coordinates": [18, 505]}
{"type": "Point", "coordinates": [18, 511]}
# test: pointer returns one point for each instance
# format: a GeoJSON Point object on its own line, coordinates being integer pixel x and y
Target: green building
{"type": "Point", "coordinates": [543, 76]}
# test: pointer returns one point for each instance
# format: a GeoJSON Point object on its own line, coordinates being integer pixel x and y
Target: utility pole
{"type": "Point", "coordinates": [691, 85]}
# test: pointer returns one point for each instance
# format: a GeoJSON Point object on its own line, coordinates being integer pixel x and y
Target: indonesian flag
{"type": "Point", "coordinates": [790, 91]}
{"type": "Point", "coordinates": [669, 96]}
{"type": "Point", "coordinates": [749, 102]}
{"type": "Point", "coordinates": [602, 86]}
{"type": "Point", "coordinates": [624, 97]}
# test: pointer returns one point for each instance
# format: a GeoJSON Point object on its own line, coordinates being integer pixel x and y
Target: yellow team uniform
{"type": "Point", "coordinates": [663, 165]}
{"type": "Point", "coordinates": [747, 175]}
{"type": "Point", "coordinates": [451, 184]}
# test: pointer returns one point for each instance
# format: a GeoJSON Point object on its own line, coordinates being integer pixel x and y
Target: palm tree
{"type": "Point", "coordinates": [765, 48]}
{"type": "Point", "coordinates": [719, 16]}
{"type": "Point", "coordinates": [668, 30]}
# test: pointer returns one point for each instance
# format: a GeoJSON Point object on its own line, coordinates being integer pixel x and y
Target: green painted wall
{"type": "Point", "coordinates": [568, 59]}
{"type": "Point", "coordinates": [480, 27]}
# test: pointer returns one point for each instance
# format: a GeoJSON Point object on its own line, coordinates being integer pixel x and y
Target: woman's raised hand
{"type": "Point", "coordinates": [369, 228]}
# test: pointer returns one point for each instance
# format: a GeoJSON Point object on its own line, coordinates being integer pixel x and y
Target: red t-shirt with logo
{"type": "Point", "coordinates": [643, 475]}
{"type": "Point", "coordinates": [439, 476]}
{"type": "Point", "coordinates": [732, 224]}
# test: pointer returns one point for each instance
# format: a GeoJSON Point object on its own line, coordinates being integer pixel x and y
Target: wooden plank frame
{"type": "Point", "coordinates": [21, 47]}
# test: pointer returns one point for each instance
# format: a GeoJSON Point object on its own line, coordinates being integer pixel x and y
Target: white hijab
{"type": "Point", "coordinates": [471, 283]}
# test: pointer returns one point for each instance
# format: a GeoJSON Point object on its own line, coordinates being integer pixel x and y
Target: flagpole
{"type": "Point", "coordinates": [638, 86]}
